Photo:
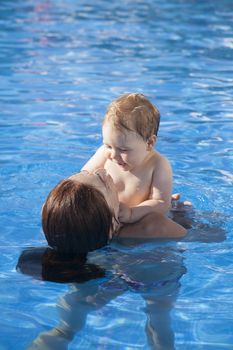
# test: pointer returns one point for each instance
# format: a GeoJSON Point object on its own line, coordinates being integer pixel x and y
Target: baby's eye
{"type": "Point", "coordinates": [123, 150]}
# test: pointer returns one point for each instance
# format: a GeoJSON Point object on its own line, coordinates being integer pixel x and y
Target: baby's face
{"type": "Point", "coordinates": [104, 183]}
{"type": "Point", "coordinates": [125, 148]}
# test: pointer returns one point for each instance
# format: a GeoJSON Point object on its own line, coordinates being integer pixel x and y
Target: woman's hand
{"type": "Point", "coordinates": [177, 205]}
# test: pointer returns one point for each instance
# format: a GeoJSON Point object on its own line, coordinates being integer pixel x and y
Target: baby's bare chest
{"type": "Point", "coordinates": [132, 188]}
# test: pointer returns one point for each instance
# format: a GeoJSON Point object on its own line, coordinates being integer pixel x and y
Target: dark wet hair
{"type": "Point", "coordinates": [47, 264]}
{"type": "Point", "coordinates": [76, 218]}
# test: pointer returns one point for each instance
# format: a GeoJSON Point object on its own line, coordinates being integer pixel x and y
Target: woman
{"type": "Point", "coordinates": [81, 215]}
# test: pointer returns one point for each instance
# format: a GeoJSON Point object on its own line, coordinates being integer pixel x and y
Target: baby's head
{"type": "Point", "coordinates": [134, 112]}
{"type": "Point", "coordinates": [76, 217]}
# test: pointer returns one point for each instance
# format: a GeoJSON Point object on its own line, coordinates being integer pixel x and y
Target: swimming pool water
{"type": "Point", "coordinates": [61, 63]}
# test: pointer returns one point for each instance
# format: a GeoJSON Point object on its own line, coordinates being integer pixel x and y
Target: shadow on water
{"type": "Point", "coordinates": [206, 227]}
{"type": "Point", "coordinates": [125, 265]}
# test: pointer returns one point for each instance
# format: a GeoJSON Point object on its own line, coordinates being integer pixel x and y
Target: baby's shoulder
{"type": "Point", "coordinates": [158, 159]}
{"type": "Point", "coordinates": [160, 165]}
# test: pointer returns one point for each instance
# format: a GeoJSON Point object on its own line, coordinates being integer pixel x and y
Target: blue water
{"type": "Point", "coordinates": [61, 63]}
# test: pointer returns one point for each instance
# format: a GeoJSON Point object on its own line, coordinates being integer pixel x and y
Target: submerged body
{"type": "Point", "coordinates": [154, 274]}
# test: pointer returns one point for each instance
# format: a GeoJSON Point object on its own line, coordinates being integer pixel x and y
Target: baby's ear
{"type": "Point", "coordinates": [151, 141]}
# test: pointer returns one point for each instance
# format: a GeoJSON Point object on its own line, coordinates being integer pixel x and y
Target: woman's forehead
{"type": "Point", "coordinates": [87, 178]}
{"type": "Point", "coordinates": [83, 176]}
{"type": "Point", "coordinates": [103, 183]}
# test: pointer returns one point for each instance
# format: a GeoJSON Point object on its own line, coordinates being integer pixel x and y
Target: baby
{"type": "Point", "coordinates": [142, 176]}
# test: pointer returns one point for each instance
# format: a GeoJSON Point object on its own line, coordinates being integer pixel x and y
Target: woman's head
{"type": "Point", "coordinates": [76, 217]}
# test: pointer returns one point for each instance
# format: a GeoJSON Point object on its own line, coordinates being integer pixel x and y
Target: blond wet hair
{"type": "Point", "coordinates": [134, 112]}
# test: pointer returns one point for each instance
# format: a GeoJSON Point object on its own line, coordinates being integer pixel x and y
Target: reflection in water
{"type": "Point", "coordinates": [154, 275]}
{"type": "Point", "coordinates": [205, 226]}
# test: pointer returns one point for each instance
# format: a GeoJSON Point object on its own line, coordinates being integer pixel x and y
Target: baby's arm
{"type": "Point", "coordinates": [96, 161]}
{"type": "Point", "coordinates": [161, 187]}
{"type": "Point", "coordinates": [159, 199]}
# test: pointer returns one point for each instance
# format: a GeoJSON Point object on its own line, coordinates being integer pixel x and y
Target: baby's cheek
{"type": "Point", "coordinates": [135, 158]}
{"type": "Point", "coordinates": [125, 157]}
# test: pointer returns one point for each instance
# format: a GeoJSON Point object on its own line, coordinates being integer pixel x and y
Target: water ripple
{"type": "Point", "coordinates": [61, 63]}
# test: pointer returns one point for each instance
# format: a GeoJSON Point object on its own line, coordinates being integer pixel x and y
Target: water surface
{"type": "Point", "coordinates": [61, 63]}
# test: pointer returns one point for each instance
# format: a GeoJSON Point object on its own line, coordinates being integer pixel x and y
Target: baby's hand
{"type": "Point", "coordinates": [124, 213]}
